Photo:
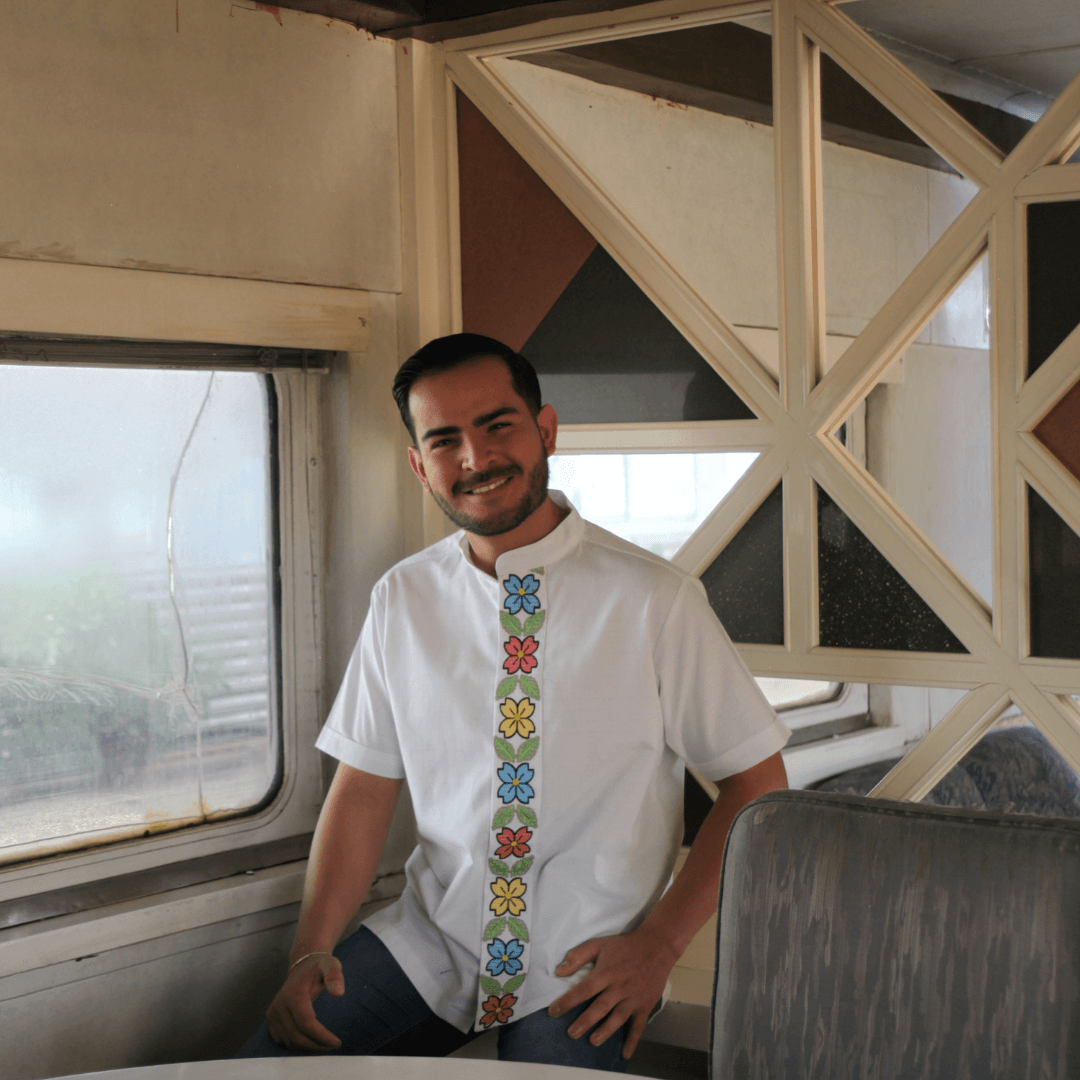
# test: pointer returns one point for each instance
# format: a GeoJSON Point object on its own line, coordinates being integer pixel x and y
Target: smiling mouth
{"type": "Point", "coordinates": [484, 488]}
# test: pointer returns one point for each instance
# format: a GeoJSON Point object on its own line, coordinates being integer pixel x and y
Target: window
{"type": "Point", "coordinates": [137, 615]}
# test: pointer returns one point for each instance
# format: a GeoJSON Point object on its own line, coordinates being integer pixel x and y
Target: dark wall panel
{"type": "Point", "coordinates": [1055, 582]}
{"type": "Point", "coordinates": [1053, 241]}
{"type": "Point", "coordinates": [864, 602]}
{"type": "Point", "coordinates": [1059, 431]}
{"type": "Point", "coordinates": [520, 246]}
{"type": "Point", "coordinates": [606, 354]}
{"type": "Point", "coordinates": [745, 582]}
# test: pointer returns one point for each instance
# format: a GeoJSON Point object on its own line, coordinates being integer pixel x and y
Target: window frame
{"type": "Point", "coordinates": [297, 688]}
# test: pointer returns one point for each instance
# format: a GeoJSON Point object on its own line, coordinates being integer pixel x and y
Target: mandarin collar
{"type": "Point", "coordinates": [548, 549]}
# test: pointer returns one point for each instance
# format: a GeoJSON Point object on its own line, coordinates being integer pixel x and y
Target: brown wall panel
{"type": "Point", "coordinates": [520, 247]}
{"type": "Point", "coordinates": [1059, 431]}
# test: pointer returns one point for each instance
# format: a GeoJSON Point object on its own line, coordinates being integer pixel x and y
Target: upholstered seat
{"type": "Point", "coordinates": [864, 938]}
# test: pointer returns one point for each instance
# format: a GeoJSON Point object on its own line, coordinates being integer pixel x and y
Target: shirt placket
{"type": "Point", "coordinates": [509, 900]}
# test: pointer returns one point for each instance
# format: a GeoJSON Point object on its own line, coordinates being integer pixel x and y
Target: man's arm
{"type": "Point", "coordinates": [345, 852]}
{"type": "Point", "coordinates": [631, 969]}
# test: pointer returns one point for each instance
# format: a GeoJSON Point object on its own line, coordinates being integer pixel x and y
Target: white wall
{"type": "Point", "coordinates": [238, 147]}
{"type": "Point", "coordinates": [203, 136]}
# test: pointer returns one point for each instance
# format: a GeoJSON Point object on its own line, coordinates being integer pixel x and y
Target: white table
{"type": "Point", "coordinates": [344, 1068]}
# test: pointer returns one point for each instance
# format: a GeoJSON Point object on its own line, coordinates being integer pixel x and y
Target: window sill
{"type": "Point", "coordinates": [811, 762]}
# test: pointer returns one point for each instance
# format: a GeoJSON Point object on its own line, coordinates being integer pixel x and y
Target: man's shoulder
{"type": "Point", "coordinates": [622, 557]}
{"type": "Point", "coordinates": [436, 559]}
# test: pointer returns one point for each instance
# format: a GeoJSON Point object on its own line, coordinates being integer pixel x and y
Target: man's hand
{"type": "Point", "coordinates": [291, 1018]}
{"type": "Point", "coordinates": [628, 980]}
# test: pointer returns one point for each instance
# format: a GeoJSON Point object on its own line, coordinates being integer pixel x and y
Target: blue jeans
{"type": "Point", "coordinates": [381, 1013]}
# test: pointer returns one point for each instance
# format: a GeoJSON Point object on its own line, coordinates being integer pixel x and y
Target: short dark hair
{"type": "Point", "coordinates": [445, 353]}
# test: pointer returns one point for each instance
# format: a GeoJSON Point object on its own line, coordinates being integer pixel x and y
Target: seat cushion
{"type": "Point", "coordinates": [859, 937]}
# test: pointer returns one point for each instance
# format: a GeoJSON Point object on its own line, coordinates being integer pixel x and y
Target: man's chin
{"type": "Point", "coordinates": [494, 524]}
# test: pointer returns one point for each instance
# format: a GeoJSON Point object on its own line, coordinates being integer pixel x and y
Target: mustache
{"type": "Point", "coordinates": [481, 478]}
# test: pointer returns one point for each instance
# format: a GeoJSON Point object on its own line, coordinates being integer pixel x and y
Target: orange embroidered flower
{"type": "Point", "coordinates": [520, 654]}
{"type": "Point", "coordinates": [498, 1009]}
{"type": "Point", "coordinates": [513, 843]}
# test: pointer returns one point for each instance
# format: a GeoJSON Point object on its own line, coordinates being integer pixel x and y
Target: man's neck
{"type": "Point", "coordinates": [544, 519]}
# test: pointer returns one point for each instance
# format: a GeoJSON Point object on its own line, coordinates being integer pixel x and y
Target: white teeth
{"type": "Point", "coordinates": [488, 487]}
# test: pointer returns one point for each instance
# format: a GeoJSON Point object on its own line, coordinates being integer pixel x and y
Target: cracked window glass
{"type": "Point", "coordinates": [136, 608]}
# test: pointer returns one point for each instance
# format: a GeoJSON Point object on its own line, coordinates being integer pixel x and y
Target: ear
{"type": "Point", "coordinates": [417, 463]}
{"type": "Point", "coordinates": [547, 420]}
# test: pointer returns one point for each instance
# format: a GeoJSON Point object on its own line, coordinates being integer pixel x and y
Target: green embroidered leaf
{"type": "Point", "coordinates": [534, 622]}
{"type": "Point", "coordinates": [512, 984]}
{"type": "Point", "coordinates": [521, 866]}
{"type": "Point", "coordinates": [527, 817]}
{"type": "Point", "coordinates": [518, 929]}
{"type": "Point", "coordinates": [502, 817]}
{"type": "Point", "coordinates": [490, 986]}
{"type": "Point", "coordinates": [537, 570]}
{"type": "Point", "coordinates": [499, 869]}
{"type": "Point", "coordinates": [506, 686]}
{"type": "Point", "coordinates": [504, 749]}
{"type": "Point", "coordinates": [510, 624]}
{"type": "Point", "coordinates": [530, 686]}
{"type": "Point", "coordinates": [527, 750]}
{"type": "Point", "coordinates": [494, 928]}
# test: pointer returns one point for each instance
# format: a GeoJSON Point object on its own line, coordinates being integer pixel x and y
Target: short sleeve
{"type": "Point", "coordinates": [360, 729]}
{"type": "Point", "coordinates": [715, 716]}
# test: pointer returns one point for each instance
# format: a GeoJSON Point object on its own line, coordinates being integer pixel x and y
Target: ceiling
{"type": "Point", "coordinates": [1016, 55]}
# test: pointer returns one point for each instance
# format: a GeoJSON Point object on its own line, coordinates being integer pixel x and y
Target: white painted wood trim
{"type": "Point", "coordinates": [566, 32]}
{"type": "Point", "coordinates": [713, 337]}
{"type": "Point", "coordinates": [937, 752]}
{"type": "Point", "coordinates": [1004, 377]}
{"type": "Point", "coordinates": [1058, 486]}
{"type": "Point", "coordinates": [1051, 182]}
{"type": "Point", "coordinates": [868, 666]}
{"type": "Point", "coordinates": [1052, 379]}
{"type": "Point", "coordinates": [695, 436]}
{"type": "Point", "coordinates": [906, 96]}
{"type": "Point", "coordinates": [103, 301]}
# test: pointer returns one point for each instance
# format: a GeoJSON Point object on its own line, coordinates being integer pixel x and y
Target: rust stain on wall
{"type": "Point", "coordinates": [273, 9]}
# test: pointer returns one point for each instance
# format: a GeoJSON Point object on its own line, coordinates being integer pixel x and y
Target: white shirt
{"type": "Point", "coordinates": [631, 675]}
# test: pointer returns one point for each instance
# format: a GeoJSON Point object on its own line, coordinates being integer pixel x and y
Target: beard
{"type": "Point", "coordinates": [501, 521]}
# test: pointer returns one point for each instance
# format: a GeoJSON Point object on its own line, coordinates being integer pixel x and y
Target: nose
{"type": "Point", "coordinates": [477, 452]}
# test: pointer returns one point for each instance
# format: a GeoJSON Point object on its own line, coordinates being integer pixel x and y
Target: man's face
{"type": "Point", "coordinates": [480, 452]}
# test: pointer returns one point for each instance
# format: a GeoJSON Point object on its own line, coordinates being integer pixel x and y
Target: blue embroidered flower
{"type": "Point", "coordinates": [522, 594]}
{"type": "Point", "coordinates": [515, 782]}
{"type": "Point", "coordinates": [504, 957]}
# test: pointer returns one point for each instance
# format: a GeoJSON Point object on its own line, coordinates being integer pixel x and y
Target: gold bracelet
{"type": "Point", "coordinates": [305, 957]}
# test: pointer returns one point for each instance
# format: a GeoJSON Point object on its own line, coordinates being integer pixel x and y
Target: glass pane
{"type": "Point", "coordinates": [1054, 551]}
{"type": "Point", "coordinates": [653, 500]}
{"type": "Point", "coordinates": [793, 693]}
{"type": "Point", "coordinates": [127, 707]}
{"type": "Point", "coordinates": [1053, 236]}
{"type": "Point", "coordinates": [864, 603]}
{"type": "Point", "coordinates": [928, 435]}
{"type": "Point", "coordinates": [745, 582]}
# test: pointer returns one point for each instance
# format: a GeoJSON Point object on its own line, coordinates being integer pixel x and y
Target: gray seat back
{"type": "Point", "coordinates": [869, 939]}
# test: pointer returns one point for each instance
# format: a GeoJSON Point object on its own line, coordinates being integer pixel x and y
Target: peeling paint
{"type": "Point", "coordinates": [273, 9]}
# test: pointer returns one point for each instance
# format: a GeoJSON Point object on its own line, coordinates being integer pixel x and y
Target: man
{"type": "Point", "coordinates": [539, 682]}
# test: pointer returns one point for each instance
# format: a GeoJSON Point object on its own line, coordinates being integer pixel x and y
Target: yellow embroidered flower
{"type": "Point", "coordinates": [517, 720]}
{"type": "Point", "coordinates": [508, 896]}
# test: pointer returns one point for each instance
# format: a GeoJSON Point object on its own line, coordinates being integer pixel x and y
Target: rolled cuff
{"type": "Point", "coordinates": [358, 756]}
{"type": "Point", "coordinates": [747, 754]}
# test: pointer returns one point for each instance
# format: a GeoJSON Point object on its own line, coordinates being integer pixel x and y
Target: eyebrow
{"type": "Point", "coordinates": [480, 421]}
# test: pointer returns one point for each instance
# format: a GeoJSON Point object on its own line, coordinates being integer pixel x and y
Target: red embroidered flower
{"type": "Point", "coordinates": [498, 1008]}
{"type": "Point", "coordinates": [513, 843]}
{"type": "Point", "coordinates": [520, 654]}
